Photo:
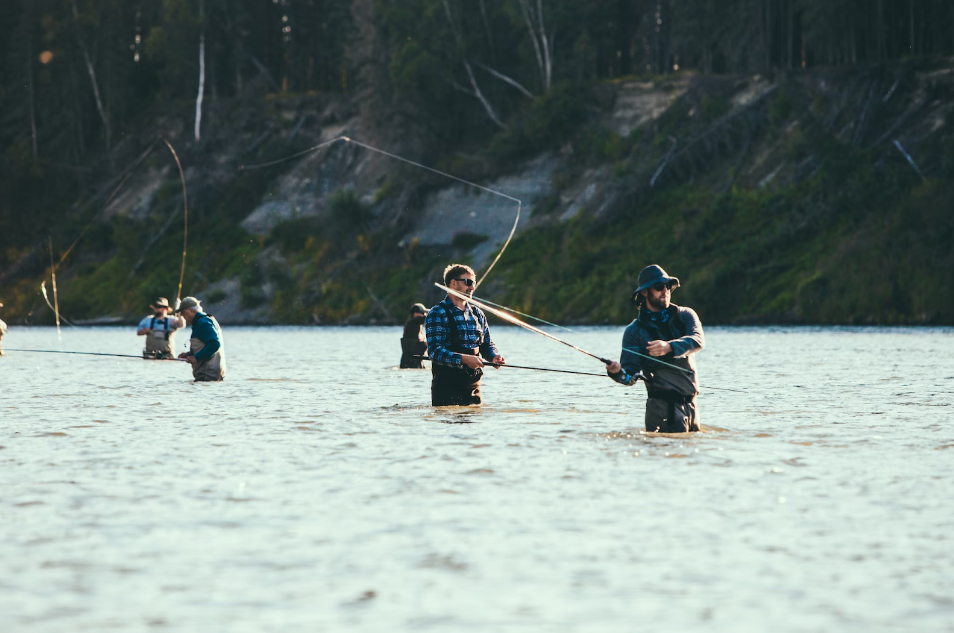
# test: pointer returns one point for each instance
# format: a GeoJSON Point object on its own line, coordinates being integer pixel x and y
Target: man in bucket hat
{"type": "Point", "coordinates": [160, 331]}
{"type": "Point", "coordinates": [206, 353]}
{"type": "Point", "coordinates": [658, 348]}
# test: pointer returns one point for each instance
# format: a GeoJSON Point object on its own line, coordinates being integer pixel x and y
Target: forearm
{"type": "Point", "coordinates": [624, 377]}
{"type": "Point", "coordinates": [443, 356]}
{"type": "Point", "coordinates": [142, 331]}
{"type": "Point", "coordinates": [208, 350]}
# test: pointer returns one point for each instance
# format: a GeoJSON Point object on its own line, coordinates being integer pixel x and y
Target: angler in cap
{"type": "Point", "coordinates": [160, 331]}
{"type": "Point", "coordinates": [671, 334]}
{"type": "Point", "coordinates": [206, 353]}
{"type": "Point", "coordinates": [414, 343]}
{"type": "Point", "coordinates": [458, 342]}
{"type": "Point", "coordinates": [3, 330]}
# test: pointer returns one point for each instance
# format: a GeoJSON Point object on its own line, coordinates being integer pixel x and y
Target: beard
{"type": "Point", "coordinates": [657, 305]}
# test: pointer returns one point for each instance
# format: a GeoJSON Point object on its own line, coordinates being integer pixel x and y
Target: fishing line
{"type": "Point", "coordinates": [47, 298]}
{"type": "Point", "coordinates": [529, 316]}
{"type": "Point", "coordinates": [509, 366]}
{"type": "Point", "coordinates": [53, 351]}
{"type": "Point", "coordinates": [185, 209]}
{"type": "Point", "coordinates": [125, 174]}
{"type": "Point", "coordinates": [516, 321]}
{"type": "Point", "coordinates": [346, 139]}
{"type": "Point", "coordinates": [56, 301]}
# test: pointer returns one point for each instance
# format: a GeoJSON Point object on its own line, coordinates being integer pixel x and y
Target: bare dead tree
{"type": "Point", "coordinates": [474, 86]}
{"type": "Point", "coordinates": [198, 99]}
{"type": "Point", "coordinates": [28, 24]}
{"type": "Point", "coordinates": [92, 75]}
{"type": "Point", "coordinates": [541, 45]}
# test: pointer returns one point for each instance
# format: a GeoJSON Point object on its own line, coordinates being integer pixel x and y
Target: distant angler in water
{"type": "Point", "coordinates": [3, 330]}
{"type": "Point", "coordinates": [206, 352]}
{"type": "Point", "coordinates": [671, 334]}
{"type": "Point", "coordinates": [413, 342]}
{"type": "Point", "coordinates": [160, 331]}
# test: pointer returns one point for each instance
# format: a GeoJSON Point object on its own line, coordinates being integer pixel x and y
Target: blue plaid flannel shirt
{"type": "Point", "coordinates": [470, 322]}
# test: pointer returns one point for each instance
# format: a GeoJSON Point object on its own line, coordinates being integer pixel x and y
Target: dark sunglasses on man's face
{"type": "Point", "coordinates": [661, 287]}
{"type": "Point", "coordinates": [467, 282]}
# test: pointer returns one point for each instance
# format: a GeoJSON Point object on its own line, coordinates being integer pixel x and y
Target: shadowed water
{"type": "Point", "coordinates": [316, 489]}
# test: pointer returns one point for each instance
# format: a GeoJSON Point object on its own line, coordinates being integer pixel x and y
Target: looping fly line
{"type": "Point", "coordinates": [370, 148]}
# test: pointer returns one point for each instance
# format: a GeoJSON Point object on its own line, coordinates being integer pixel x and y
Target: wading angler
{"type": "Point", "coordinates": [658, 347]}
{"type": "Point", "coordinates": [458, 342]}
{"type": "Point", "coordinates": [206, 353]}
{"type": "Point", "coordinates": [160, 331]}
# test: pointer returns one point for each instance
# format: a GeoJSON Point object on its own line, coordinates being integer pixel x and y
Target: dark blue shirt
{"type": "Point", "coordinates": [472, 328]}
{"type": "Point", "coordinates": [207, 331]}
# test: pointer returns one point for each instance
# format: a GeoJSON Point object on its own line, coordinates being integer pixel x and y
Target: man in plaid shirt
{"type": "Point", "coordinates": [458, 342]}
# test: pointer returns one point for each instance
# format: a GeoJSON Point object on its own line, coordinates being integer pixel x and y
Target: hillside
{"type": "Point", "coordinates": [821, 196]}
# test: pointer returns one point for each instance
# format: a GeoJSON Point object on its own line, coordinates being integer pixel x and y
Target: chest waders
{"type": "Point", "coordinates": [668, 411]}
{"type": "Point", "coordinates": [212, 369]}
{"type": "Point", "coordinates": [159, 342]}
{"type": "Point", "coordinates": [411, 347]}
{"type": "Point", "coordinates": [456, 386]}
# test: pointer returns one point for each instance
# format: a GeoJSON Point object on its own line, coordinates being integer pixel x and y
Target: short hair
{"type": "Point", "coordinates": [455, 270]}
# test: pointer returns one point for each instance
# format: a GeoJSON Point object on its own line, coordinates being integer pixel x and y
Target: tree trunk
{"type": "Point", "coordinates": [28, 24]}
{"type": "Point", "coordinates": [198, 99]}
{"type": "Point", "coordinates": [490, 35]}
{"type": "Point", "coordinates": [92, 77]}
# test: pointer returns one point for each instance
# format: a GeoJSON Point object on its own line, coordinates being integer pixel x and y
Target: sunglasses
{"type": "Point", "coordinates": [661, 287]}
{"type": "Point", "coordinates": [467, 282]}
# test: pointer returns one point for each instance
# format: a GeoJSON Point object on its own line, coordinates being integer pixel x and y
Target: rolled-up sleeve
{"type": "Point", "coordinates": [694, 340]}
{"type": "Point", "coordinates": [436, 329]}
{"type": "Point", "coordinates": [631, 363]}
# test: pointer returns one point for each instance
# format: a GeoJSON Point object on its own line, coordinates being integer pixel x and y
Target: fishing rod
{"type": "Point", "coordinates": [627, 349]}
{"type": "Point", "coordinates": [370, 148]}
{"type": "Point", "coordinates": [503, 315]}
{"type": "Point", "coordinates": [516, 321]}
{"type": "Point", "coordinates": [508, 365]}
{"type": "Point", "coordinates": [53, 351]}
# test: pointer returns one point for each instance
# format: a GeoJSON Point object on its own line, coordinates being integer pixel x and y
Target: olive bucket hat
{"type": "Point", "coordinates": [652, 275]}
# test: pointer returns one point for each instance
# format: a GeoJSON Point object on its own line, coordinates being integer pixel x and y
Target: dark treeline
{"type": "Point", "coordinates": [77, 75]}
{"type": "Point", "coordinates": [107, 60]}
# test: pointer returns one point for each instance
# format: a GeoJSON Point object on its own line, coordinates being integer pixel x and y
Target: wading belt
{"type": "Point", "coordinates": [671, 398]}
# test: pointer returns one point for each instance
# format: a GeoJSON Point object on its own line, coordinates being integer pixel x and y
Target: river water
{"type": "Point", "coordinates": [317, 490]}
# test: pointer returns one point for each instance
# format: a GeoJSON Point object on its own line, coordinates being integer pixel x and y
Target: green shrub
{"type": "Point", "coordinates": [466, 241]}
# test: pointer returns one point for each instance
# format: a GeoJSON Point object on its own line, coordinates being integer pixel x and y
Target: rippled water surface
{"type": "Point", "coordinates": [317, 490]}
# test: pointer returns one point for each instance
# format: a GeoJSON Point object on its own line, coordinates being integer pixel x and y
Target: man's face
{"type": "Point", "coordinates": [188, 314]}
{"type": "Point", "coordinates": [657, 297]}
{"type": "Point", "coordinates": [160, 312]}
{"type": "Point", "coordinates": [465, 283]}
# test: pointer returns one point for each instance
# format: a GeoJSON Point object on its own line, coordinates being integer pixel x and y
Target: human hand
{"type": "Point", "coordinates": [471, 361]}
{"type": "Point", "coordinates": [658, 348]}
{"type": "Point", "coordinates": [497, 361]}
{"type": "Point", "coordinates": [614, 367]}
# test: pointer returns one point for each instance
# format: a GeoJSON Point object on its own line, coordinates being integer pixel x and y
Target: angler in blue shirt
{"type": "Point", "coordinates": [206, 353]}
{"type": "Point", "coordinates": [458, 342]}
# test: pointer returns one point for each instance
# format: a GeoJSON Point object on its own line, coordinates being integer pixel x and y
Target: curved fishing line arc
{"type": "Point", "coordinates": [185, 212]}
{"type": "Point", "coordinates": [371, 148]}
{"type": "Point", "coordinates": [123, 176]}
{"type": "Point", "coordinates": [47, 299]}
